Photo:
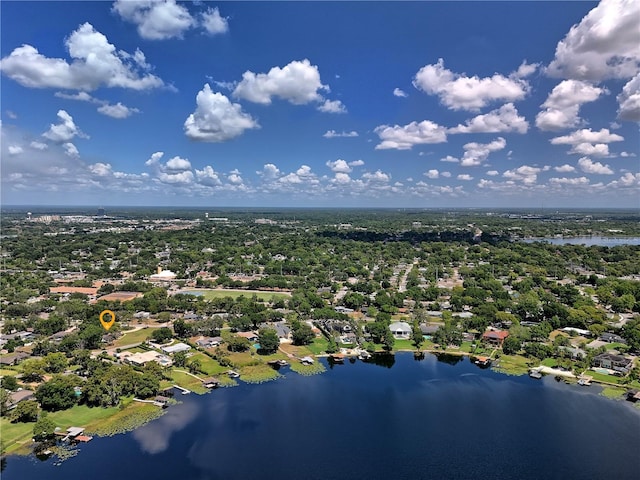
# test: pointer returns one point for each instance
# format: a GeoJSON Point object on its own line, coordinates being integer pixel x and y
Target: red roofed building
{"type": "Point", "coordinates": [495, 337]}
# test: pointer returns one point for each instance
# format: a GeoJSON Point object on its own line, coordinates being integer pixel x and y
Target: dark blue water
{"type": "Point", "coordinates": [417, 420]}
{"type": "Point", "coordinates": [588, 241]}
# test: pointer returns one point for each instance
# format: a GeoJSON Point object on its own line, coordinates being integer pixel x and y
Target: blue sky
{"type": "Point", "coordinates": [353, 104]}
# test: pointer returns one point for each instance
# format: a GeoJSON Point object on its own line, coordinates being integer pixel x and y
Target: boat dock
{"type": "Point", "coordinates": [182, 389]}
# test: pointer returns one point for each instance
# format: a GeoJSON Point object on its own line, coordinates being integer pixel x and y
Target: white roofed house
{"type": "Point", "coordinates": [400, 330]}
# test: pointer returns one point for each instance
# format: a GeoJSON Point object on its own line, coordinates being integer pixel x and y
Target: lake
{"type": "Point", "coordinates": [588, 241]}
{"type": "Point", "coordinates": [412, 419]}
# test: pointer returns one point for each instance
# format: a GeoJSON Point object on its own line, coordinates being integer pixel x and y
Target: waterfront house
{"type": "Point", "coordinates": [495, 337]}
{"type": "Point", "coordinates": [617, 363]}
{"type": "Point", "coordinates": [140, 359]}
{"type": "Point", "coordinates": [429, 328]}
{"type": "Point", "coordinates": [20, 396]}
{"type": "Point", "coordinates": [400, 330]}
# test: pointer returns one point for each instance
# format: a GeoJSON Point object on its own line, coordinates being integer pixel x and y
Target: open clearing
{"type": "Point", "coordinates": [221, 293]}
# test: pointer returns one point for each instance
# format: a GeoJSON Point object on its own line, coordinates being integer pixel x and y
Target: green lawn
{"type": "Point", "coordinates": [5, 372]}
{"type": "Point", "coordinates": [514, 364]}
{"type": "Point", "coordinates": [603, 377]}
{"type": "Point", "coordinates": [403, 345]}
{"type": "Point", "coordinates": [15, 435]}
{"type": "Point", "coordinates": [319, 345]}
{"type": "Point", "coordinates": [262, 296]}
{"type": "Point", "coordinates": [133, 337]}
{"type": "Point", "coordinates": [209, 365]}
{"type": "Point", "coordinates": [187, 381]}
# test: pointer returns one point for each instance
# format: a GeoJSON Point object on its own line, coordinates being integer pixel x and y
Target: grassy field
{"type": "Point", "coordinates": [262, 296]}
{"type": "Point", "coordinates": [403, 345]}
{"type": "Point", "coordinates": [319, 345]}
{"type": "Point", "coordinates": [17, 436]}
{"type": "Point", "coordinates": [185, 381]}
{"type": "Point", "coordinates": [5, 372]}
{"type": "Point", "coordinates": [513, 364]}
{"type": "Point", "coordinates": [258, 374]}
{"type": "Point", "coordinates": [130, 417]}
{"type": "Point", "coordinates": [209, 365]}
{"type": "Point", "coordinates": [133, 337]}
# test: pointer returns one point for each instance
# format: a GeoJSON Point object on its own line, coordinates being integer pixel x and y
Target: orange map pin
{"type": "Point", "coordinates": [109, 324]}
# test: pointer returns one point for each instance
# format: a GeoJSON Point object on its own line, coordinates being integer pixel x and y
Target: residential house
{"type": "Point", "coordinates": [178, 347]}
{"type": "Point", "coordinates": [252, 337]}
{"type": "Point", "coordinates": [13, 358]}
{"type": "Point", "coordinates": [209, 342]}
{"type": "Point", "coordinates": [495, 337]}
{"type": "Point", "coordinates": [400, 330]}
{"type": "Point", "coordinates": [617, 363]}
{"type": "Point", "coordinates": [20, 396]}
{"type": "Point", "coordinates": [612, 338]}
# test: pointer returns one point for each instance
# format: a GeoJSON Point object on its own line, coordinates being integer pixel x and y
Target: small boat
{"type": "Point", "coordinates": [337, 358]}
{"type": "Point", "coordinates": [233, 374]}
{"type": "Point", "coordinates": [535, 374]}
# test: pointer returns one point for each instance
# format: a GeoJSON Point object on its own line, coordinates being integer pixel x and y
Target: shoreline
{"type": "Point", "coordinates": [121, 422]}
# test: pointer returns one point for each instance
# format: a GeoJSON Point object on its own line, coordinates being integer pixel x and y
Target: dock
{"type": "Point", "coordinates": [182, 389]}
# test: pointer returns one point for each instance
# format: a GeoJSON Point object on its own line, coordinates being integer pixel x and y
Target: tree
{"type": "Point", "coordinates": [416, 337]}
{"type": "Point", "coordinates": [33, 369]}
{"type": "Point", "coordinates": [268, 340]}
{"type": "Point", "coordinates": [26, 411]}
{"type": "Point", "coordinates": [9, 382]}
{"type": "Point", "coordinates": [43, 429]}
{"type": "Point", "coordinates": [388, 340]}
{"type": "Point", "coordinates": [332, 346]}
{"type": "Point", "coordinates": [180, 359]}
{"type": "Point", "coordinates": [4, 401]}
{"type": "Point", "coordinates": [58, 393]}
{"type": "Point", "coordinates": [161, 335]}
{"type": "Point", "coordinates": [511, 345]}
{"type": "Point", "coordinates": [237, 344]}
{"type": "Point", "coordinates": [195, 366]}
{"type": "Point", "coordinates": [301, 333]}
{"type": "Point", "coordinates": [181, 328]}
{"type": "Point", "coordinates": [147, 385]}
{"type": "Point", "coordinates": [55, 362]}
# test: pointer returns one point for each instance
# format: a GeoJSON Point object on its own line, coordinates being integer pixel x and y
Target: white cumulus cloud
{"type": "Point", "coordinates": [503, 119]}
{"type": "Point", "coordinates": [95, 63]}
{"type": "Point", "coordinates": [399, 93]}
{"type": "Point", "coordinates": [208, 176]}
{"type": "Point", "coordinates": [216, 119]}
{"type": "Point", "coordinates": [464, 176]}
{"type": "Point", "coordinates": [566, 168]}
{"type": "Point", "coordinates": [586, 135]}
{"type": "Point", "coordinates": [406, 136]}
{"type": "Point", "coordinates": [460, 92]}
{"type": "Point", "coordinates": [589, 166]}
{"type": "Point", "coordinates": [213, 22]}
{"type": "Point", "coordinates": [339, 166]}
{"type": "Point", "coordinates": [603, 45]}
{"type": "Point", "coordinates": [64, 131]}
{"type": "Point", "coordinates": [476, 154]}
{"type": "Point", "coordinates": [432, 174]}
{"type": "Point", "coordinates": [563, 104]}
{"type": "Point", "coordinates": [332, 106]}
{"type": "Point", "coordinates": [629, 100]}
{"type": "Point", "coordinates": [334, 134]}
{"type": "Point", "coordinates": [525, 174]}
{"type": "Point", "coordinates": [177, 163]}
{"type": "Point", "coordinates": [156, 20]}
{"type": "Point", "coordinates": [117, 111]}
{"type": "Point", "coordinates": [298, 83]}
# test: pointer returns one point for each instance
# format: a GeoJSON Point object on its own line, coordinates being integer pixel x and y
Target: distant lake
{"type": "Point", "coordinates": [588, 241]}
{"type": "Point", "coordinates": [405, 419]}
